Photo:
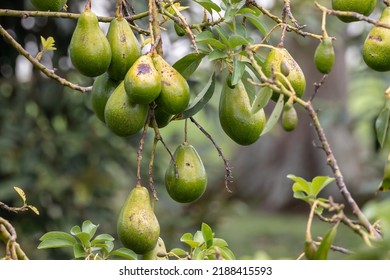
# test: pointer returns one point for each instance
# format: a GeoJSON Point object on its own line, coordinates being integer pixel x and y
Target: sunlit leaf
{"type": "Point", "coordinates": [219, 242]}
{"type": "Point", "coordinates": [188, 239]}
{"type": "Point", "coordinates": [48, 44]}
{"type": "Point", "coordinates": [89, 228]}
{"type": "Point", "coordinates": [21, 193]}
{"type": "Point", "coordinates": [207, 235]}
{"type": "Point", "coordinates": [319, 183]}
{"type": "Point", "coordinates": [179, 252]}
{"type": "Point", "coordinates": [75, 230]}
{"type": "Point", "coordinates": [227, 254]}
{"type": "Point", "coordinates": [34, 209]}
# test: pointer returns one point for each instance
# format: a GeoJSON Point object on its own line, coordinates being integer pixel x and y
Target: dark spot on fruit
{"type": "Point", "coordinates": [123, 39]}
{"type": "Point", "coordinates": [376, 38]}
{"type": "Point", "coordinates": [143, 69]}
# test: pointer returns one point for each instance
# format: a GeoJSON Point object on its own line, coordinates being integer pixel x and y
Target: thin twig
{"type": "Point", "coordinates": [140, 149]}
{"type": "Point", "coordinates": [228, 169]}
{"type": "Point", "coordinates": [317, 87]}
{"type": "Point", "coordinates": [48, 72]}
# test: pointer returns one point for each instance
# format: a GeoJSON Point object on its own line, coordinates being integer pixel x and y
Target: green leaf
{"type": "Point", "coordinates": [382, 125]}
{"type": "Point", "coordinates": [78, 251]}
{"type": "Point", "coordinates": [187, 238]}
{"type": "Point", "coordinates": [209, 5]}
{"type": "Point", "coordinates": [238, 70]}
{"type": "Point", "coordinates": [227, 254]}
{"type": "Point", "coordinates": [84, 238]}
{"type": "Point", "coordinates": [55, 243]}
{"type": "Point", "coordinates": [255, 20]}
{"type": "Point", "coordinates": [275, 115]}
{"type": "Point", "coordinates": [261, 99]}
{"type": "Point", "coordinates": [208, 37]}
{"type": "Point", "coordinates": [48, 44]}
{"type": "Point", "coordinates": [223, 35]}
{"type": "Point", "coordinates": [179, 252]}
{"type": "Point", "coordinates": [236, 41]}
{"type": "Point", "coordinates": [124, 253]}
{"type": "Point", "coordinates": [89, 228]}
{"type": "Point", "coordinates": [60, 235]}
{"type": "Point", "coordinates": [385, 184]}
{"type": "Point", "coordinates": [319, 183]}
{"type": "Point", "coordinates": [219, 242]}
{"type": "Point", "coordinates": [105, 247]}
{"type": "Point", "coordinates": [198, 237]}
{"type": "Point", "coordinates": [187, 65]}
{"type": "Point", "coordinates": [207, 235]}
{"type": "Point", "coordinates": [200, 100]}
{"type": "Point", "coordinates": [75, 230]}
{"type": "Point", "coordinates": [300, 184]}
{"type": "Point", "coordinates": [326, 243]}
{"type": "Point", "coordinates": [216, 54]}
{"type": "Point", "coordinates": [21, 193]}
{"type": "Point", "coordinates": [198, 254]}
{"type": "Point", "coordinates": [102, 238]}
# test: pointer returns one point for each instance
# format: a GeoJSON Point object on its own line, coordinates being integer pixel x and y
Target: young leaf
{"type": "Point", "coordinates": [261, 99]}
{"type": "Point", "coordinates": [34, 209]}
{"type": "Point", "coordinates": [198, 254]}
{"type": "Point", "coordinates": [187, 65]}
{"type": "Point", "coordinates": [21, 193]}
{"type": "Point", "coordinates": [301, 185]}
{"type": "Point", "coordinates": [198, 237]}
{"type": "Point", "coordinates": [48, 44]}
{"type": "Point", "coordinates": [188, 239]}
{"type": "Point", "coordinates": [326, 243]}
{"type": "Point", "coordinates": [219, 242]}
{"type": "Point", "coordinates": [124, 253]}
{"type": "Point", "coordinates": [238, 71]}
{"type": "Point", "coordinates": [75, 230]}
{"type": "Point", "coordinates": [89, 228]}
{"type": "Point", "coordinates": [275, 115]}
{"type": "Point", "coordinates": [382, 125]}
{"type": "Point", "coordinates": [319, 183]}
{"type": "Point", "coordinates": [207, 235]}
{"type": "Point", "coordinates": [200, 100]}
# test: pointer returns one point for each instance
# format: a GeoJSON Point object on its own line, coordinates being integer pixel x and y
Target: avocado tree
{"type": "Point", "coordinates": [135, 92]}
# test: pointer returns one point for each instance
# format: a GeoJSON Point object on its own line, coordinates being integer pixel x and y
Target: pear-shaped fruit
{"type": "Point", "coordinates": [102, 89]}
{"type": "Point", "coordinates": [142, 81]}
{"type": "Point", "coordinates": [175, 93]}
{"type": "Point", "coordinates": [49, 5]}
{"type": "Point", "coordinates": [289, 117]}
{"type": "Point", "coordinates": [158, 253]}
{"type": "Point", "coordinates": [376, 47]}
{"type": "Point", "coordinates": [138, 227]}
{"type": "Point", "coordinates": [324, 56]}
{"type": "Point", "coordinates": [191, 181]}
{"type": "Point", "coordinates": [125, 48]}
{"type": "Point", "coordinates": [364, 7]}
{"type": "Point", "coordinates": [236, 117]}
{"type": "Point", "coordinates": [122, 116]}
{"type": "Point", "coordinates": [279, 58]}
{"type": "Point", "coordinates": [89, 49]}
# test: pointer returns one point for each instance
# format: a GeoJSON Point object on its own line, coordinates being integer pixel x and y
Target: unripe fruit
{"type": "Point", "coordinates": [49, 5]}
{"type": "Point", "coordinates": [289, 117]}
{"type": "Point", "coordinates": [324, 56]}
{"type": "Point", "coordinates": [364, 7]}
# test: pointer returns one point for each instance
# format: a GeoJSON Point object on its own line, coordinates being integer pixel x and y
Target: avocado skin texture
{"type": "Point", "coordinates": [102, 89]}
{"type": "Point", "coordinates": [236, 117]}
{"type": "Point", "coordinates": [125, 48]}
{"type": "Point", "coordinates": [138, 228]}
{"type": "Point", "coordinates": [123, 117]}
{"type": "Point", "coordinates": [274, 60]}
{"type": "Point", "coordinates": [175, 93]}
{"type": "Point", "coordinates": [89, 50]}
{"type": "Point", "coordinates": [192, 178]}
{"type": "Point", "coordinates": [324, 56]}
{"type": "Point", "coordinates": [376, 47]}
{"type": "Point", "coordinates": [142, 81]}
{"type": "Point", "coordinates": [49, 5]}
{"type": "Point", "coordinates": [364, 7]}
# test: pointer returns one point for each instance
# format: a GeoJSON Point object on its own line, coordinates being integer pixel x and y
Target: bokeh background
{"type": "Point", "coordinates": [73, 168]}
